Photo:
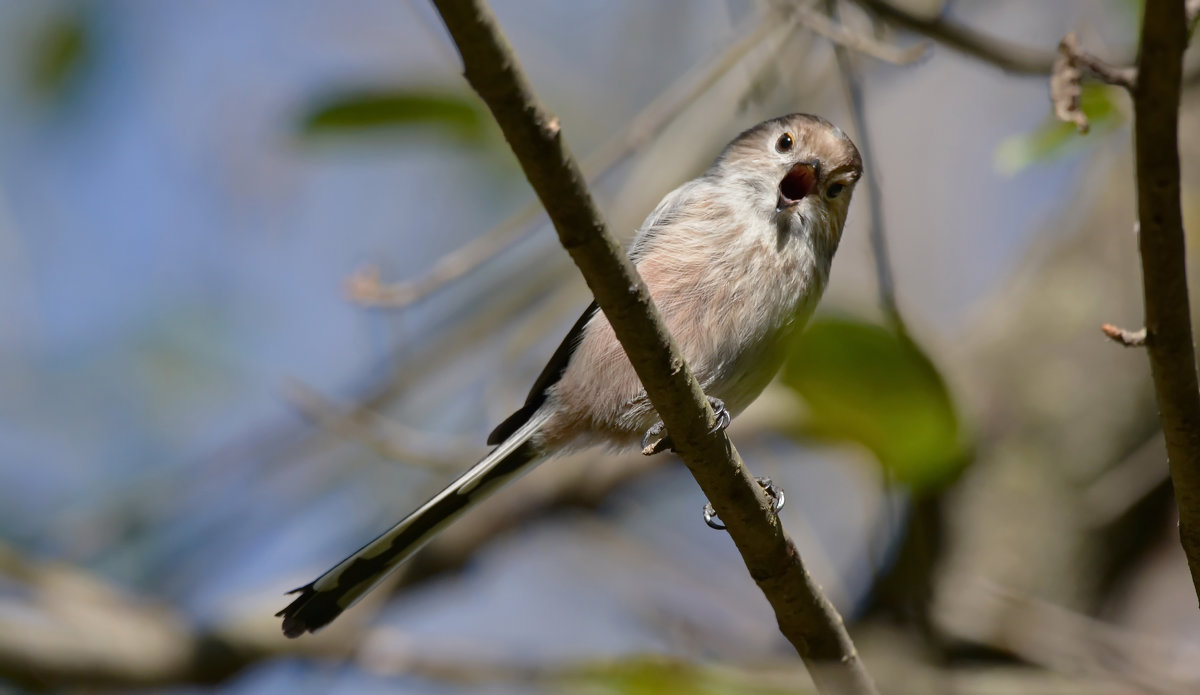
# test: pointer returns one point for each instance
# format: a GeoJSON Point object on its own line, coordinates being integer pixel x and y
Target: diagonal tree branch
{"type": "Point", "coordinates": [365, 286]}
{"type": "Point", "coordinates": [805, 616]}
{"type": "Point", "coordinates": [1164, 274]}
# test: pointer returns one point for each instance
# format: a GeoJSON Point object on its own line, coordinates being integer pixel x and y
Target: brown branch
{"type": "Point", "coordinates": [365, 286]}
{"type": "Point", "coordinates": [843, 38]}
{"type": "Point", "coordinates": [1109, 74]}
{"type": "Point", "coordinates": [1002, 54]}
{"type": "Point", "coordinates": [1164, 274]}
{"type": "Point", "coordinates": [1007, 56]}
{"type": "Point", "coordinates": [1066, 79]}
{"type": "Point", "coordinates": [805, 616]}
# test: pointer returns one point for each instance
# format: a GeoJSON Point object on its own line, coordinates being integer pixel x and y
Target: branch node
{"type": "Point", "coordinates": [1070, 66]}
{"type": "Point", "coordinates": [1127, 338]}
{"type": "Point", "coordinates": [1065, 79]}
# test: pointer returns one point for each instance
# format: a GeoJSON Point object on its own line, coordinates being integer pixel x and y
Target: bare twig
{"type": "Point", "coordinates": [844, 38]}
{"type": "Point", "coordinates": [1125, 337]}
{"type": "Point", "coordinates": [1002, 54]}
{"type": "Point", "coordinates": [402, 444]}
{"type": "Point", "coordinates": [1066, 79]}
{"type": "Point", "coordinates": [1066, 641]}
{"type": "Point", "coordinates": [365, 287]}
{"type": "Point", "coordinates": [879, 247]}
{"type": "Point", "coordinates": [1066, 84]}
{"type": "Point", "coordinates": [1164, 274]}
{"type": "Point", "coordinates": [1070, 51]}
{"type": "Point", "coordinates": [1119, 489]}
{"type": "Point", "coordinates": [805, 616]}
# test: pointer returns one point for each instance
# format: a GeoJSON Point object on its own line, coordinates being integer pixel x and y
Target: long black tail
{"type": "Point", "coordinates": [326, 597]}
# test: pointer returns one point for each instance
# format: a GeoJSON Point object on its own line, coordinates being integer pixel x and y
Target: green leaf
{"type": "Point", "coordinates": [866, 384]}
{"type": "Point", "coordinates": [456, 116]}
{"type": "Point", "coordinates": [61, 50]}
{"type": "Point", "coordinates": [1054, 138]}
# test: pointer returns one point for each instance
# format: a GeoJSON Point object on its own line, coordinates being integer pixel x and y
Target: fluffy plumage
{"type": "Point", "coordinates": [735, 263]}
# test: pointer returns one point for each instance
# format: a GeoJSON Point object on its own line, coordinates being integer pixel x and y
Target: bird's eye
{"type": "Point", "coordinates": [834, 190]}
{"type": "Point", "coordinates": [784, 143]}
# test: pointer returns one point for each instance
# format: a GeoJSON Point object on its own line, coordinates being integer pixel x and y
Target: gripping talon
{"type": "Point", "coordinates": [775, 493]}
{"type": "Point", "coordinates": [721, 413]}
{"type": "Point", "coordinates": [657, 440]}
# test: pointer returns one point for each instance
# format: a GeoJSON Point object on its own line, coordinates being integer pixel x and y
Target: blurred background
{"type": "Point", "coordinates": [269, 274]}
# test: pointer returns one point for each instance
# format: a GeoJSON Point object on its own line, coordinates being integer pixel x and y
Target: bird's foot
{"type": "Point", "coordinates": [657, 440]}
{"type": "Point", "coordinates": [775, 493]}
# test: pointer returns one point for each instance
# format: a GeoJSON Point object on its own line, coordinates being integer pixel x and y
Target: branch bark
{"type": "Point", "coordinates": [805, 616]}
{"type": "Point", "coordinates": [1161, 241]}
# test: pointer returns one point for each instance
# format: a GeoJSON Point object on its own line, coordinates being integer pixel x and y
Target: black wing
{"type": "Point", "coordinates": [550, 375]}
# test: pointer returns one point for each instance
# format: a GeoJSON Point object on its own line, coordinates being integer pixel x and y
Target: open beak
{"type": "Point", "coordinates": [800, 180]}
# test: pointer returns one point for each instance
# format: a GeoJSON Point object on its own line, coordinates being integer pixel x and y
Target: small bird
{"type": "Point", "coordinates": [735, 259]}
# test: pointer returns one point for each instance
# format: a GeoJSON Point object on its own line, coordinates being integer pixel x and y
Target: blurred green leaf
{"type": "Point", "coordinates": [662, 676]}
{"type": "Point", "coordinates": [60, 52]}
{"type": "Point", "coordinates": [866, 384]}
{"type": "Point", "coordinates": [456, 116]}
{"type": "Point", "coordinates": [1054, 138]}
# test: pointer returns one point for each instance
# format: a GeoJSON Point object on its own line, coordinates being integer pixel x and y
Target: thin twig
{"type": "Point", "coordinates": [804, 615]}
{"type": "Point", "coordinates": [1109, 74]}
{"type": "Point", "coordinates": [365, 287]}
{"type": "Point", "coordinates": [1164, 273]}
{"type": "Point", "coordinates": [1125, 337]}
{"type": "Point", "coordinates": [1066, 80]}
{"type": "Point", "coordinates": [879, 247]}
{"type": "Point", "coordinates": [405, 445]}
{"type": "Point", "coordinates": [1002, 54]}
{"type": "Point", "coordinates": [844, 38]}
{"type": "Point", "coordinates": [1064, 641]}
{"type": "Point", "coordinates": [1116, 491]}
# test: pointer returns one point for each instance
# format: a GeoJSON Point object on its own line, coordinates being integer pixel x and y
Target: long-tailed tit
{"type": "Point", "coordinates": [735, 260]}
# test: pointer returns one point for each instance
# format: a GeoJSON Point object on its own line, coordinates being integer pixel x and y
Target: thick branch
{"type": "Point", "coordinates": [1164, 280]}
{"type": "Point", "coordinates": [805, 616]}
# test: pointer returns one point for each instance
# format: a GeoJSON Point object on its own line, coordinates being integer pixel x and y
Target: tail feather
{"type": "Point", "coordinates": [324, 599]}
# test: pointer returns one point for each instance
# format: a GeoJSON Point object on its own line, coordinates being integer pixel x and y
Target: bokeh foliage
{"type": "Point", "coordinates": [455, 116]}
{"type": "Point", "coordinates": [867, 384]}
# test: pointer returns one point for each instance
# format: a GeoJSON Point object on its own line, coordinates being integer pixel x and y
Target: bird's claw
{"type": "Point", "coordinates": [657, 440]}
{"type": "Point", "coordinates": [721, 416]}
{"type": "Point", "coordinates": [775, 493]}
